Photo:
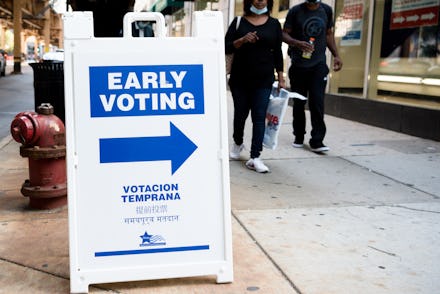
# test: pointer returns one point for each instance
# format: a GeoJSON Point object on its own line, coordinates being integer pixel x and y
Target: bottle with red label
{"type": "Point", "coordinates": [308, 54]}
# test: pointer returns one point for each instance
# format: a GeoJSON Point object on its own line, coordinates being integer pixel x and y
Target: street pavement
{"type": "Point", "coordinates": [363, 218]}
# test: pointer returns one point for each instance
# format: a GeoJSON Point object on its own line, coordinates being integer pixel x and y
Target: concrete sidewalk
{"type": "Point", "coordinates": [362, 219]}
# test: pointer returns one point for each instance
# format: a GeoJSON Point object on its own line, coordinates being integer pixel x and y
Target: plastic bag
{"type": "Point", "coordinates": [275, 114]}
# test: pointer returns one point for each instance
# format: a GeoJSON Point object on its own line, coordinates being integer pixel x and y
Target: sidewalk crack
{"type": "Point", "coordinates": [416, 209]}
{"type": "Point", "coordinates": [267, 254]}
{"type": "Point", "coordinates": [391, 178]}
{"type": "Point", "coordinates": [383, 251]}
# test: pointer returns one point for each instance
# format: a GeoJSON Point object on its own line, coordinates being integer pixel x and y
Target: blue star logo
{"type": "Point", "coordinates": [152, 240]}
{"type": "Point", "coordinates": [146, 238]}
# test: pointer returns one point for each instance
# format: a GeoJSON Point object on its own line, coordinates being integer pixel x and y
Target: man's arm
{"type": "Point", "coordinates": [302, 45]}
{"type": "Point", "coordinates": [331, 44]}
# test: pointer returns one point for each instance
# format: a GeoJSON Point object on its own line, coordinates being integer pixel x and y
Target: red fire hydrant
{"type": "Point", "coordinates": [42, 136]}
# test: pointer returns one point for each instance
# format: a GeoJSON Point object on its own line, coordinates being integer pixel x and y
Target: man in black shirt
{"type": "Point", "coordinates": [308, 31]}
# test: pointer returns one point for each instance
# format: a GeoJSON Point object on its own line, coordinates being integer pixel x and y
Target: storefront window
{"type": "Point", "coordinates": [351, 35]}
{"type": "Point", "coordinates": [238, 7]}
{"type": "Point", "coordinates": [179, 17]}
{"type": "Point", "coordinates": [409, 64]}
{"type": "Point", "coordinates": [283, 5]}
{"type": "Point", "coordinates": [176, 24]}
{"type": "Point", "coordinates": [399, 51]}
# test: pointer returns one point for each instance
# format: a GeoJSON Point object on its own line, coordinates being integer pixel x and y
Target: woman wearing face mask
{"type": "Point", "coordinates": [256, 44]}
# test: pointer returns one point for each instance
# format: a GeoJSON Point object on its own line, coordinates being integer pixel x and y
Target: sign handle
{"type": "Point", "coordinates": [158, 17]}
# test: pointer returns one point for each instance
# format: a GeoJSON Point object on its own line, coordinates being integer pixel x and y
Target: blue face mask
{"type": "Point", "coordinates": [257, 11]}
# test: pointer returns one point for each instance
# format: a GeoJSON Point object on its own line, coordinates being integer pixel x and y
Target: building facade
{"type": "Point", "coordinates": [391, 54]}
{"type": "Point", "coordinates": [390, 50]}
{"type": "Point", "coordinates": [28, 29]}
{"type": "Point", "coordinates": [391, 74]}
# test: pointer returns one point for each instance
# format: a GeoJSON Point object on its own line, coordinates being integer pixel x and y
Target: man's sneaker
{"type": "Point", "coordinates": [298, 143]}
{"type": "Point", "coordinates": [257, 165]}
{"type": "Point", "coordinates": [319, 148]}
{"type": "Point", "coordinates": [235, 151]}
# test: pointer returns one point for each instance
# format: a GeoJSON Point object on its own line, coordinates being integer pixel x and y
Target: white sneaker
{"type": "Point", "coordinates": [257, 165]}
{"type": "Point", "coordinates": [235, 151]}
{"type": "Point", "coordinates": [297, 145]}
{"type": "Point", "coordinates": [319, 148]}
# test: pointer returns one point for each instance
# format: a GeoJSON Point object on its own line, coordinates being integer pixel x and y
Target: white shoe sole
{"type": "Point", "coordinates": [320, 149]}
{"type": "Point", "coordinates": [234, 157]}
{"type": "Point", "coordinates": [252, 167]}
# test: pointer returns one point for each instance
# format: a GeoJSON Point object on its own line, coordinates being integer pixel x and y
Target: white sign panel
{"type": "Point", "coordinates": [349, 25]}
{"type": "Point", "coordinates": [148, 172]}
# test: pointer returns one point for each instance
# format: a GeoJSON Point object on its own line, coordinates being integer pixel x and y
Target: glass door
{"type": "Point", "coordinates": [405, 63]}
{"type": "Point", "coordinates": [352, 39]}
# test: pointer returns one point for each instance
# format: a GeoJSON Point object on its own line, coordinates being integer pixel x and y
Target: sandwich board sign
{"type": "Point", "coordinates": [147, 163]}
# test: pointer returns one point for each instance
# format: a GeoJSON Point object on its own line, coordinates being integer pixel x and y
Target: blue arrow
{"type": "Point", "coordinates": [176, 147]}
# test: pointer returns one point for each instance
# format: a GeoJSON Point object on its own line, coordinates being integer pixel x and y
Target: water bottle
{"type": "Point", "coordinates": [308, 54]}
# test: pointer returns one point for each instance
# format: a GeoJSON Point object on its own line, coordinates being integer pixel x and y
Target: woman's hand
{"type": "Point", "coordinates": [281, 81]}
{"type": "Point", "coordinates": [281, 84]}
{"type": "Point", "coordinates": [250, 37]}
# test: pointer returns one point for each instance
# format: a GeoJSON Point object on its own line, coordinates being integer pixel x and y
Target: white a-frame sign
{"type": "Point", "coordinates": [148, 173]}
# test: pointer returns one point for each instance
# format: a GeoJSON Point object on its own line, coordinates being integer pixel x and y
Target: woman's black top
{"type": "Point", "coordinates": [254, 63]}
